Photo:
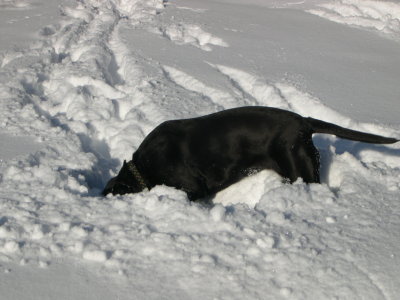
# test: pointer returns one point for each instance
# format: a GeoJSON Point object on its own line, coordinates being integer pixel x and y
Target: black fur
{"type": "Point", "coordinates": [204, 155]}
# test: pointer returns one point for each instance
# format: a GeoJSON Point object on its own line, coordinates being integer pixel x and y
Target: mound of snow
{"type": "Point", "coordinates": [382, 16]}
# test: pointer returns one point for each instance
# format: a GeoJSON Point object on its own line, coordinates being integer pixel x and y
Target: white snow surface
{"type": "Point", "coordinates": [382, 16]}
{"type": "Point", "coordinates": [95, 80]}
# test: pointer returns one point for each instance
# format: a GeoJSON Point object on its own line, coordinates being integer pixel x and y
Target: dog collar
{"type": "Point", "coordinates": [135, 172]}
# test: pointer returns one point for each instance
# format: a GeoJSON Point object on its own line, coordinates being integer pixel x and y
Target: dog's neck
{"type": "Point", "coordinates": [137, 175]}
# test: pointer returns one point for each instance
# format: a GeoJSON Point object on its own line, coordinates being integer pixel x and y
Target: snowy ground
{"type": "Point", "coordinates": [83, 86]}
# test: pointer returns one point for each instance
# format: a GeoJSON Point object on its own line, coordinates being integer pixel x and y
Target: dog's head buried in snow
{"type": "Point", "coordinates": [204, 155]}
{"type": "Point", "coordinates": [128, 181]}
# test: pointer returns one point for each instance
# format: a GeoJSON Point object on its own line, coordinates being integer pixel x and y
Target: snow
{"type": "Point", "coordinates": [22, 22]}
{"type": "Point", "coordinates": [13, 146]}
{"type": "Point", "coordinates": [84, 85]}
{"type": "Point", "coordinates": [193, 35]}
{"type": "Point", "coordinates": [382, 16]}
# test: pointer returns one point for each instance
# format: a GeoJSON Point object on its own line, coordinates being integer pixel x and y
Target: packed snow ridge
{"type": "Point", "coordinates": [15, 4]}
{"type": "Point", "coordinates": [89, 100]}
{"type": "Point", "coordinates": [383, 16]}
{"type": "Point", "coordinates": [193, 35]}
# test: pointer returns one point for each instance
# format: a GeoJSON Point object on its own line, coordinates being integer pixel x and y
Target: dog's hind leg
{"type": "Point", "coordinates": [300, 160]}
{"type": "Point", "coordinates": [288, 164]}
{"type": "Point", "coordinates": [308, 162]}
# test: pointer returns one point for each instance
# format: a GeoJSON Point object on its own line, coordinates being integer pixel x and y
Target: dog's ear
{"type": "Point", "coordinates": [122, 172]}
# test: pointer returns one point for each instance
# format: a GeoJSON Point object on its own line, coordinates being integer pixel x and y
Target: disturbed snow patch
{"type": "Point", "coordinates": [15, 4]}
{"type": "Point", "coordinates": [193, 35]}
{"type": "Point", "coordinates": [383, 16]}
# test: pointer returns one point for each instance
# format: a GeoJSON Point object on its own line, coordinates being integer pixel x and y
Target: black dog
{"type": "Point", "coordinates": [204, 155]}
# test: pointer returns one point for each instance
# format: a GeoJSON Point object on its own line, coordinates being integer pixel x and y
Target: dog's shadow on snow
{"type": "Point", "coordinates": [100, 174]}
{"type": "Point", "coordinates": [95, 178]}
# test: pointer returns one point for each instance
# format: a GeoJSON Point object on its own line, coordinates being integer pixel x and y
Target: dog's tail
{"type": "Point", "coordinates": [319, 126]}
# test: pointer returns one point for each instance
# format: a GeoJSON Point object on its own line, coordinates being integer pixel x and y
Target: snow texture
{"type": "Point", "coordinates": [382, 16]}
{"type": "Point", "coordinates": [193, 35]}
{"type": "Point", "coordinates": [82, 98]}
